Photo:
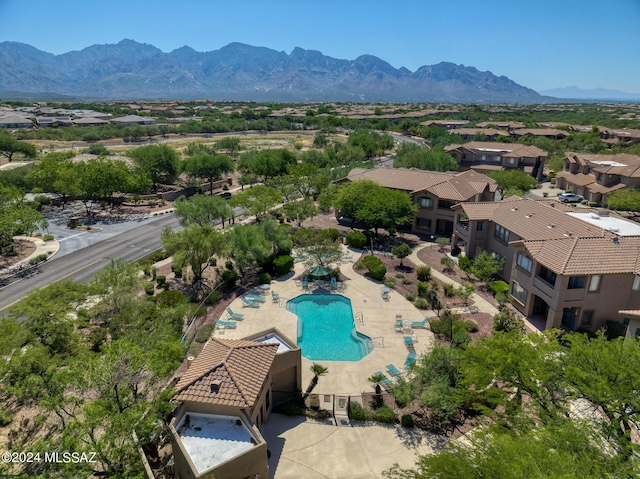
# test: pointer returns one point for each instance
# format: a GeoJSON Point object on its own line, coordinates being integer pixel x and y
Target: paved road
{"type": "Point", "coordinates": [83, 263]}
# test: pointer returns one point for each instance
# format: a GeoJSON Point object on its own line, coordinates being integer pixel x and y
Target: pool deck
{"type": "Point", "coordinates": [379, 316]}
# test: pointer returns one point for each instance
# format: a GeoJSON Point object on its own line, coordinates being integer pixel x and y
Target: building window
{"type": "Point", "coordinates": [511, 161]}
{"type": "Point", "coordinates": [524, 262]}
{"type": "Point", "coordinates": [424, 223]}
{"type": "Point", "coordinates": [426, 202]}
{"type": "Point", "coordinates": [480, 226]}
{"type": "Point", "coordinates": [499, 258]}
{"type": "Point", "coordinates": [599, 177]}
{"type": "Point", "coordinates": [519, 293]}
{"type": "Point", "coordinates": [570, 317]}
{"type": "Point", "coordinates": [547, 276]}
{"type": "Point", "coordinates": [577, 282]}
{"type": "Point", "coordinates": [267, 401]}
{"type": "Point", "coordinates": [587, 318]}
{"type": "Point", "coordinates": [594, 283]}
{"type": "Point", "coordinates": [636, 283]}
{"type": "Point", "coordinates": [483, 157]}
{"type": "Point", "coordinates": [501, 233]}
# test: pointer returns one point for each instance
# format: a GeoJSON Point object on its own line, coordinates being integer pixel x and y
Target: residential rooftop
{"type": "Point", "coordinates": [211, 439]}
{"type": "Point", "coordinates": [616, 225]}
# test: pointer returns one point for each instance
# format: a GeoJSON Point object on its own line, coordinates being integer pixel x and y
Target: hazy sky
{"type": "Point", "coordinates": [540, 44]}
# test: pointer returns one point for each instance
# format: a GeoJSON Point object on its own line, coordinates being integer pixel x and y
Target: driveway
{"type": "Point", "coordinates": [320, 450]}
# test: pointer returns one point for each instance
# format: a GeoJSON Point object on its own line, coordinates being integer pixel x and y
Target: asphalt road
{"type": "Point", "coordinates": [83, 263]}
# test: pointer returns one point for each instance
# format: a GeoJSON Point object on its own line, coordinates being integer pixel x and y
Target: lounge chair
{"type": "Point", "coordinates": [410, 361]}
{"type": "Point", "coordinates": [305, 282]}
{"type": "Point", "coordinates": [385, 295]}
{"type": "Point", "coordinates": [385, 382]}
{"type": "Point", "coordinates": [234, 315]}
{"type": "Point", "coordinates": [255, 297]}
{"type": "Point", "coordinates": [398, 325]}
{"type": "Point", "coordinates": [226, 324]}
{"type": "Point", "coordinates": [251, 304]}
{"type": "Point", "coordinates": [275, 296]}
{"type": "Point", "coordinates": [408, 342]}
{"type": "Point", "coordinates": [334, 283]}
{"type": "Point", "coordinates": [391, 369]}
{"type": "Point", "coordinates": [420, 324]}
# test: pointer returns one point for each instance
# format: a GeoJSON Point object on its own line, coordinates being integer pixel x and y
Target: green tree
{"type": "Point", "coordinates": [230, 144]}
{"type": "Point", "coordinates": [158, 162]}
{"type": "Point", "coordinates": [625, 199]}
{"type": "Point", "coordinates": [299, 211]}
{"type": "Point", "coordinates": [250, 247]}
{"type": "Point", "coordinates": [194, 246]}
{"type": "Point", "coordinates": [16, 217]}
{"type": "Point", "coordinates": [485, 266]}
{"type": "Point", "coordinates": [442, 242]}
{"type": "Point", "coordinates": [411, 155]}
{"type": "Point", "coordinates": [402, 251]}
{"type": "Point", "coordinates": [208, 166]}
{"type": "Point", "coordinates": [9, 147]}
{"type": "Point", "coordinates": [202, 210]}
{"type": "Point", "coordinates": [56, 173]}
{"type": "Point", "coordinates": [317, 370]}
{"type": "Point", "coordinates": [259, 200]}
{"type": "Point", "coordinates": [513, 180]}
{"type": "Point", "coordinates": [465, 263]}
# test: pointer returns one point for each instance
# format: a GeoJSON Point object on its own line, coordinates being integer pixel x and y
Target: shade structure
{"type": "Point", "coordinates": [318, 271]}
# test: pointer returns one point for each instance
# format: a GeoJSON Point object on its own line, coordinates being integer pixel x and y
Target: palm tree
{"type": "Point", "coordinates": [377, 400]}
{"type": "Point", "coordinates": [317, 370]}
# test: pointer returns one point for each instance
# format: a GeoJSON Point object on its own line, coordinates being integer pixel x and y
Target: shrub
{"type": "Point", "coordinates": [161, 278]}
{"type": "Point", "coordinates": [423, 289]}
{"type": "Point", "coordinates": [407, 420]}
{"type": "Point", "coordinates": [506, 320]}
{"type": "Point", "coordinates": [449, 290]}
{"type": "Point", "coordinates": [154, 271]}
{"type": "Point", "coordinates": [375, 266]}
{"type": "Point", "coordinates": [399, 275]}
{"type": "Point", "coordinates": [176, 270]}
{"type": "Point", "coordinates": [149, 288]}
{"type": "Point", "coordinates": [357, 412]}
{"type": "Point", "coordinates": [385, 414]}
{"type": "Point", "coordinates": [498, 287]}
{"type": "Point", "coordinates": [593, 204]}
{"type": "Point", "coordinates": [424, 273]}
{"type": "Point", "coordinates": [331, 233]}
{"type": "Point", "coordinates": [38, 259]}
{"type": "Point", "coordinates": [282, 264]}
{"type": "Point", "coordinates": [407, 281]}
{"type": "Point", "coordinates": [356, 239]}
{"type": "Point", "coordinates": [205, 333]}
{"type": "Point", "coordinates": [264, 278]}
{"type": "Point", "coordinates": [410, 297]}
{"type": "Point", "coordinates": [392, 231]}
{"type": "Point", "coordinates": [214, 297]}
{"type": "Point", "coordinates": [472, 326]}
{"type": "Point", "coordinates": [228, 279]}
{"type": "Point", "coordinates": [48, 238]}
{"type": "Point", "coordinates": [421, 303]}
{"type": "Point", "coordinates": [169, 298]}
{"type": "Point", "coordinates": [228, 265]}
{"type": "Point", "coordinates": [545, 194]}
{"type": "Point", "coordinates": [5, 417]}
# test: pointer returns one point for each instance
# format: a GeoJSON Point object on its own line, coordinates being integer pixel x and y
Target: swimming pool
{"type": "Point", "coordinates": [326, 330]}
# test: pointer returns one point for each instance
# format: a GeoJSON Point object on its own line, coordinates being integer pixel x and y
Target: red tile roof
{"type": "Point", "coordinates": [239, 368]}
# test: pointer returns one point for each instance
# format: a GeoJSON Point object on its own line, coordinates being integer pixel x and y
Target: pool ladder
{"type": "Point", "coordinates": [359, 318]}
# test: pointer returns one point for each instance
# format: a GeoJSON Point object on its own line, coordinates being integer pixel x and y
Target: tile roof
{"type": "Point", "coordinates": [530, 219]}
{"type": "Point", "coordinates": [579, 179]}
{"type": "Point", "coordinates": [448, 185]}
{"type": "Point", "coordinates": [584, 256]}
{"type": "Point", "coordinates": [240, 366]}
{"type": "Point", "coordinates": [540, 132]}
{"type": "Point", "coordinates": [474, 131]}
{"type": "Point", "coordinates": [509, 150]}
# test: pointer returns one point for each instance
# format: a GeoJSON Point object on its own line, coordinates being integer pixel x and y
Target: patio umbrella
{"type": "Point", "coordinates": [318, 271]}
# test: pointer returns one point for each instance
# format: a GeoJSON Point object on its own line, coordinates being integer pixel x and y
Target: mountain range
{"type": "Point", "coordinates": [575, 93]}
{"type": "Point", "coordinates": [132, 70]}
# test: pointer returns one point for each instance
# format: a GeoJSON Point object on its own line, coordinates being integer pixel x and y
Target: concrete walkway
{"type": "Point", "coordinates": [482, 305]}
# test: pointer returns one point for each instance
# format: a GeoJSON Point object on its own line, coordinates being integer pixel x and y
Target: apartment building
{"type": "Point", "coordinates": [434, 192]}
{"type": "Point", "coordinates": [487, 156]}
{"type": "Point", "coordinates": [565, 268]}
{"type": "Point", "coordinates": [595, 176]}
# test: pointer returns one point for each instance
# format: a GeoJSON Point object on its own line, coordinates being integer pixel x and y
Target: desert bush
{"type": "Point", "coordinates": [423, 289]}
{"type": "Point", "coordinates": [5, 417]}
{"type": "Point", "coordinates": [228, 280]}
{"type": "Point", "coordinates": [149, 288]}
{"type": "Point", "coordinates": [472, 326]}
{"type": "Point", "coordinates": [357, 412]}
{"type": "Point", "coordinates": [214, 297]}
{"type": "Point", "coordinates": [264, 278]}
{"type": "Point", "coordinates": [38, 259]}
{"type": "Point", "coordinates": [407, 420]}
{"type": "Point", "coordinates": [205, 333]}
{"type": "Point", "coordinates": [228, 264]}
{"type": "Point", "coordinates": [331, 233]}
{"type": "Point", "coordinates": [498, 287]}
{"type": "Point", "coordinates": [176, 270]}
{"type": "Point", "coordinates": [48, 238]}
{"type": "Point", "coordinates": [356, 239]}
{"type": "Point", "coordinates": [161, 279]}
{"type": "Point", "coordinates": [169, 298]}
{"type": "Point", "coordinates": [449, 290]}
{"type": "Point", "coordinates": [421, 303]}
{"type": "Point", "coordinates": [385, 414]}
{"type": "Point", "coordinates": [423, 272]}
{"type": "Point", "coordinates": [375, 266]}
{"type": "Point", "coordinates": [410, 297]}
{"type": "Point", "coordinates": [282, 264]}
{"type": "Point", "coordinates": [392, 231]}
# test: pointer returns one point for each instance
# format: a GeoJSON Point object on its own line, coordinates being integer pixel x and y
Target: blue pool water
{"type": "Point", "coordinates": [326, 330]}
